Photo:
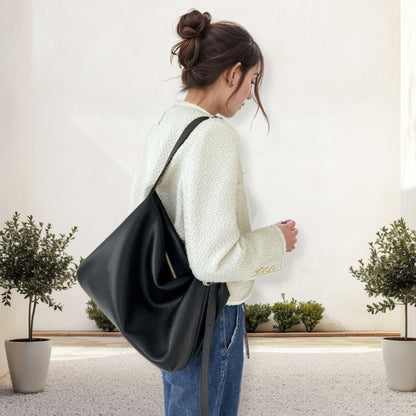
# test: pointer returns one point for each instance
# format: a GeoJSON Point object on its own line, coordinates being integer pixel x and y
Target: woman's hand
{"type": "Point", "coordinates": [290, 232]}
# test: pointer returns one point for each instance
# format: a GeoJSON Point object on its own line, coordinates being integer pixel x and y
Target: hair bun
{"type": "Point", "coordinates": [193, 24]}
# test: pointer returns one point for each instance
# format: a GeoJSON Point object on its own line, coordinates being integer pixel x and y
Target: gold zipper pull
{"type": "Point", "coordinates": [170, 265]}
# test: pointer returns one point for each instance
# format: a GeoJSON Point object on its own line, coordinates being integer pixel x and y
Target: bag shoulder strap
{"type": "Point", "coordinates": [181, 140]}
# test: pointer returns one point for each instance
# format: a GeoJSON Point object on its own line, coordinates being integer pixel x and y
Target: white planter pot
{"type": "Point", "coordinates": [28, 363]}
{"type": "Point", "coordinates": [400, 362]}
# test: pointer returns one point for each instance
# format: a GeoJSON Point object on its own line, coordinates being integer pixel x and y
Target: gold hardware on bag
{"type": "Point", "coordinates": [170, 265]}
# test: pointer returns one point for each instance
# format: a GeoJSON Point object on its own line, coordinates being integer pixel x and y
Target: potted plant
{"type": "Point", "coordinates": [391, 273]}
{"type": "Point", "coordinates": [34, 265]}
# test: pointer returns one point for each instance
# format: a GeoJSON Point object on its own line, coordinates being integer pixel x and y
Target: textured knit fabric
{"type": "Point", "coordinates": [203, 193]}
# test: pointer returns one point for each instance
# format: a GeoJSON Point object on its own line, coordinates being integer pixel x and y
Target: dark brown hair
{"type": "Point", "coordinates": [207, 49]}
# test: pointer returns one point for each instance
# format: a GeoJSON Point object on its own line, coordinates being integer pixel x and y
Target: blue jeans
{"type": "Point", "coordinates": [181, 388]}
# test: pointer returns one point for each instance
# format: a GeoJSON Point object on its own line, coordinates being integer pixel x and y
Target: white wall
{"type": "Point", "coordinates": [15, 143]}
{"type": "Point", "coordinates": [102, 76]}
{"type": "Point", "coordinates": [408, 122]}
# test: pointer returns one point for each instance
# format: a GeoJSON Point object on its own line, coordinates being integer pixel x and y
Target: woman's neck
{"type": "Point", "coordinates": [202, 100]}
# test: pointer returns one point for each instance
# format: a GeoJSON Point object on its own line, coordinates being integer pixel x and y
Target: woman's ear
{"type": "Point", "coordinates": [230, 74]}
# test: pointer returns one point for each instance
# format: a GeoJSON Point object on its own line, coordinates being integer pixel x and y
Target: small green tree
{"type": "Point", "coordinates": [310, 313]}
{"type": "Point", "coordinates": [391, 270]}
{"type": "Point", "coordinates": [97, 315]}
{"type": "Point", "coordinates": [257, 314]}
{"type": "Point", "coordinates": [285, 314]}
{"type": "Point", "coordinates": [34, 265]}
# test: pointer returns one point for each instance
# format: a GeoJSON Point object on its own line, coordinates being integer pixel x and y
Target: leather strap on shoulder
{"type": "Point", "coordinates": [181, 140]}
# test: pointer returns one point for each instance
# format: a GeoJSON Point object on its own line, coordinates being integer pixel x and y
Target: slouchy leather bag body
{"type": "Point", "coordinates": [139, 276]}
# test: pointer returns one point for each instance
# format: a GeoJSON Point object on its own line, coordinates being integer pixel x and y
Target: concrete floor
{"type": "Point", "coordinates": [262, 342]}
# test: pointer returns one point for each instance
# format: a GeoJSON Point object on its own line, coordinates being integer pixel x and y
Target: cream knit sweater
{"type": "Point", "coordinates": [203, 193]}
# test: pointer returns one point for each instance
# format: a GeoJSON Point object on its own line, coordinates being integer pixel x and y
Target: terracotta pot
{"type": "Point", "coordinates": [400, 362]}
{"type": "Point", "coordinates": [28, 363]}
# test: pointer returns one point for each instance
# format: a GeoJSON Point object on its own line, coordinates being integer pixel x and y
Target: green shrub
{"type": "Point", "coordinates": [97, 315]}
{"type": "Point", "coordinates": [310, 313]}
{"type": "Point", "coordinates": [256, 314]}
{"type": "Point", "coordinates": [285, 314]}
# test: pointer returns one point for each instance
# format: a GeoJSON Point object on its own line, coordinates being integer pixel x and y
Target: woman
{"type": "Point", "coordinates": [203, 193]}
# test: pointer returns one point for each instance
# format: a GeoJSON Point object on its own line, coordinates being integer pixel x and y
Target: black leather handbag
{"type": "Point", "coordinates": [139, 276]}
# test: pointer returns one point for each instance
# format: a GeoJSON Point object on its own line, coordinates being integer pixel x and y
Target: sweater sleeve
{"type": "Point", "coordinates": [137, 184]}
{"type": "Point", "coordinates": [216, 248]}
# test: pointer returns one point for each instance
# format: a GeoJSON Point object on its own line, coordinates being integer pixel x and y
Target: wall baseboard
{"type": "Point", "coordinates": [249, 334]}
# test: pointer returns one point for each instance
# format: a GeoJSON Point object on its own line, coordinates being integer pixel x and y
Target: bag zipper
{"type": "Point", "coordinates": [174, 274]}
{"type": "Point", "coordinates": [170, 265]}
